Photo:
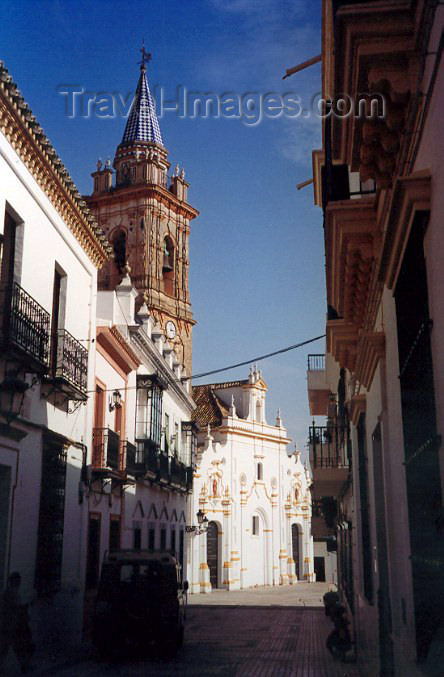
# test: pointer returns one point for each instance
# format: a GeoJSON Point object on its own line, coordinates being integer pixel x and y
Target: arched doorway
{"type": "Point", "coordinates": [296, 540]}
{"type": "Point", "coordinates": [213, 552]}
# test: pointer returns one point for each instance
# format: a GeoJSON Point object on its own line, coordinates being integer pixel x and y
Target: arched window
{"type": "Point", "coordinates": [119, 247]}
{"type": "Point", "coordinates": [260, 471]}
{"type": "Point", "coordinates": [168, 265]}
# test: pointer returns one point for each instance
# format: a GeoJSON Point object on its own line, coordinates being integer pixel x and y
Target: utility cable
{"type": "Point", "coordinates": [257, 359]}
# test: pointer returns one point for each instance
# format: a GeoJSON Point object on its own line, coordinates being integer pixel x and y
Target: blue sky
{"type": "Point", "coordinates": [257, 262]}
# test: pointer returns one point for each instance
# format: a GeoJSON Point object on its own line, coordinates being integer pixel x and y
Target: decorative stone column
{"type": "Point", "coordinates": [227, 575]}
{"type": "Point", "coordinates": [204, 571]}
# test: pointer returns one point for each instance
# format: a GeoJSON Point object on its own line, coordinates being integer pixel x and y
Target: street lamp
{"type": "Point", "coordinates": [12, 393]}
{"type": "Point", "coordinates": [202, 522]}
{"type": "Point", "coordinates": [116, 400]}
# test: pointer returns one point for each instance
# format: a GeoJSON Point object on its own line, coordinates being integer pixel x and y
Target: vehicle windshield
{"type": "Point", "coordinates": [147, 575]}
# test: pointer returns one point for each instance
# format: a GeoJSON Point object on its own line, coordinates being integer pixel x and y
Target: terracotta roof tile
{"type": "Point", "coordinates": [210, 409]}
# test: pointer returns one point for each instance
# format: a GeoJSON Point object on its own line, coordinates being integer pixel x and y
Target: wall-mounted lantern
{"type": "Point", "coordinates": [116, 400]}
{"type": "Point", "coordinates": [12, 393]}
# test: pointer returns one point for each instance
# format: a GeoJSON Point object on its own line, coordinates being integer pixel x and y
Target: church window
{"type": "Point", "coordinates": [260, 471]}
{"type": "Point", "coordinates": [119, 247]}
{"type": "Point", "coordinates": [255, 525]}
{"type": "Point", "coordinates": [96, 183]}
{"type": "Point", "coordinates": [168, 265]}
{"type": "Point", "coordinates": [144, 171]}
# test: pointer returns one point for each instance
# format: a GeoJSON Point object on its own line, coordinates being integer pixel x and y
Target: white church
{"type": "Point", "coordinates": [251, 495]}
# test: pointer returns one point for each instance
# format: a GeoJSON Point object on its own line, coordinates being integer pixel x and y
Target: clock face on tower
{"type": "Point", "coordinates": [170, 329]}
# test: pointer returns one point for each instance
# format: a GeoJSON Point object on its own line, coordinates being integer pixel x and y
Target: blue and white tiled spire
{"type": "Point", "coordinates": [142, 123]}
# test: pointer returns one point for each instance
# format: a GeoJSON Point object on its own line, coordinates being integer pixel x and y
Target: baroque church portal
{"type": "Point", "coordinates": [254, 494]}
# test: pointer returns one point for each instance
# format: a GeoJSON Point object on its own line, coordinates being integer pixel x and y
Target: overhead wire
{"type": "Point", "coordinates": [232, 366]}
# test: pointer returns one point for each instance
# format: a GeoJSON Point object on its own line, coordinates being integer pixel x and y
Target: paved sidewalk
{"type": "Point", "coordinates": [301, 594]}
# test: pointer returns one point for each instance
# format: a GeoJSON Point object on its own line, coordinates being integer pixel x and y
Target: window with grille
{"type": "Point", "coordinates": [149, 410]}
{"type": "Point", "coordinates": [48, 574]}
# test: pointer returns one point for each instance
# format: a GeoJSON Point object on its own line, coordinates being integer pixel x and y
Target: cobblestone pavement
{"type": "Point", "coordinates": [260, 638]}
{"type": "Point", "coordinates": [254, 632]}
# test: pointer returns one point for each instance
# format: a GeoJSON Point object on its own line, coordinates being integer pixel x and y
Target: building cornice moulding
{"type": "Point", "coordinates": [27, 138]}
{"type": "Point", "coordinates": [145, 347]}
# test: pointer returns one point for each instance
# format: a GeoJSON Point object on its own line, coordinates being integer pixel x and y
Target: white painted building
{"type": "Point", "coordinates": [50, 250]}
{"type": "Point", "coordinates": [255, 495]}
{"type": "Point", "coordinates": [141, 469]}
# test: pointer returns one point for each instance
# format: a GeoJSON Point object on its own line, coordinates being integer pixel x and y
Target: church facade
{"type": "Point", "coordinates": [254, 495]}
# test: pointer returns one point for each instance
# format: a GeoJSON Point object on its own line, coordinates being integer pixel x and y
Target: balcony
{"type": "Point", "coordinates": [69, 368]}
{"type": "Point", "coordinates": [164, 469]}
{"type": "Point", "coordinates": [106, 456]}
{"type": "Point", "coordinates": [328, 459]}
{"type": "Point", "coordinates": [178, 475]}
{"type": "Point", "coordinates": [146, 462]}
{"type": "Point", "coordinates": [318, 390]}
{"type": "Point", "coordinates": [130, 455]}
{"type": "Point", "coordinates": [25, 331]}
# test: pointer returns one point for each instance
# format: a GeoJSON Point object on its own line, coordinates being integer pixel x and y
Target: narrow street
{"type": "Point", "coordinates": [264, 631]}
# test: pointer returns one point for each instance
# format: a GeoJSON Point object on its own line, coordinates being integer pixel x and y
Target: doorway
{"type": "Point", "coordinates": [319, 567]}
{"type": "Point", "coordinates": [213, 552]}
{"type": "Point", "coordinates": [295, 538]}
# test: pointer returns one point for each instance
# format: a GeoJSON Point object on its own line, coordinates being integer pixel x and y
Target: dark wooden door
{"type": "Point", "coordinates": [93, 554]}
{"type": "Point", "coordinates": [319, 567]}
{"type": "Point", "coordinates": [295, 543]}
{"type": "Point", "coordinates": [212, 552]}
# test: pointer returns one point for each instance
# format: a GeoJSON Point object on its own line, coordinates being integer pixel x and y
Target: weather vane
{"type": "Point", "coordinates": [146, 56]}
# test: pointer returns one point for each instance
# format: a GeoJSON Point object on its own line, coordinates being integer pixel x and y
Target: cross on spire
{"type": "Point", "coordinates": [146, 56]}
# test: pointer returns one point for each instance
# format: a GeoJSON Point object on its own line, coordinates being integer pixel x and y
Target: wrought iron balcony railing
{"type": "Point", "coordinates": [164, 468]}
{"type": "Point", "coordinates": [316, 362]}
{"type": "Point", "coordinates": [178, 474]}
{"type": "Point", "coordinates": [328, 446]}
{"type": "Point", "coordinates": [146, 459]}
{"type": "Point", "coordinates": [70, 363]}
{"type": "Point", "coordinates": [24, 326]}
{"type": "Point", "coordinates": [106, 449]}
{"type": "Point", "coordinates": [130, 455]}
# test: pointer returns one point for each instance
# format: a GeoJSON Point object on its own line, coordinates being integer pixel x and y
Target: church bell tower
{"type": "Point", "coordinates": [146, 216]}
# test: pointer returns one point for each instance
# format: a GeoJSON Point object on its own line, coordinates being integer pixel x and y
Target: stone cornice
{"type": "Point", "coordinates": [342, 342]}
{"type": "Point", "coordinates": [357, 407]}
{"type": "Point", "coordinates": [411, 194]}
{"type": "Point", "coordinates": [25, 135]}
{"type": "Point", "coordinates": [371, 33]}
{"type": "Point", "coordinates": [147, 190]}
{"type": "Point", "coordinates": [352, 244]}
{"type": "Point", "coordinates": [231, 428]}
{"type": "Point", "coordinates": [114, 343]}
{"type": "Point", "coordinates": [145, 347]}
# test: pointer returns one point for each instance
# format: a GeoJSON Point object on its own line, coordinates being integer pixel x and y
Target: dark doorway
{"type": "Point", "coordinates": [213, 552]}
{"type": "Point", "coordinates": [93, 556]}
{"type": "Point", "coordinates": [114, 532]}
{"type": "Point", "coordinates": [319, 567]}
{"type": "Point", "coordinates": [421, 440]}
{"type": "Point", "coordinates": [295, 548]}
